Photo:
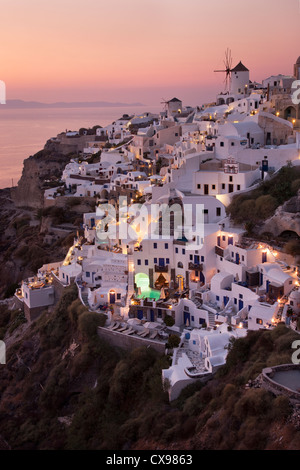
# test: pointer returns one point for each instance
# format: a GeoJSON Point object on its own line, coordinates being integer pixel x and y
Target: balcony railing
{"type": "Point", "coordinates": [219, 251]}
{"type": "Point", "coordinates": [161, 269]}
{"type": "Point", "coordinates": [195, 267]}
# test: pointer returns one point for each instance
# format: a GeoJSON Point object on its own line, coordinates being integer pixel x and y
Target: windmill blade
{"type": "Point", "coordinates": [228, 59]}
{"type": "Point", "coordinates": [227, 64]}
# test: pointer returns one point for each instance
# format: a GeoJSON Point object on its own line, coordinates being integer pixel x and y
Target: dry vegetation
{"type": "Point", "coordinates": [110, 399]}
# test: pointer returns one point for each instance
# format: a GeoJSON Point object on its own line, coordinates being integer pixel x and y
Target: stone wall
{"type": "Point", "coordinates": [32, 314]}
{"type": "Point", "coordinates": [127, 342]}
{"type": "Point", "coordinates": [276, 388]}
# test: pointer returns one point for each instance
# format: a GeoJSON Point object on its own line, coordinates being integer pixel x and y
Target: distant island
{"type": "Point", "coordinates": [18, 104]}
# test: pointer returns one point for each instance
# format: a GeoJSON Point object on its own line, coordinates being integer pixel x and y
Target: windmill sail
{"type": "Point", "coordinates": [227, 70]}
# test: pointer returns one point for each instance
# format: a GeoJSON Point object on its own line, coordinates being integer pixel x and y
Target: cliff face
{"type": "Point", "coordinates": [286, 218]}
{"type": "Point", "coordinates": [47, 164]}
{"type": "Point", "coordinates": [44, 165]}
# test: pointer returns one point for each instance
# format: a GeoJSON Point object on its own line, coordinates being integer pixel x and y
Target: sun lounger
{"type": "Point", "coordinates": [128, 332]}
{"type": "Point", "coordinates": [117, 325]}
{"type": "Point", "coordinates": [153, 335]}
{"type": "Point", "coordinates": [146, 333]}
{"type": "Point", "coordinates": [122, 329]}
{"type": "Point", "coordinates": [110, 327]}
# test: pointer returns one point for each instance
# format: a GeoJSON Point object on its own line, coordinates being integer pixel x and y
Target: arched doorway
{"type": "Point", "coordinates": [290, 113]}
{"type": "Point", "coordinates": [142, 282]}
{"type": "Point", "coordinates": [104, 194]}
{"type": "Point", "coordinates": [180, 282]}
{"type": "Point", "coordinates": [112, 296]}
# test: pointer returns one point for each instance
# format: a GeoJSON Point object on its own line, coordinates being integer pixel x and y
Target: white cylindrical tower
{"type": "Point", "coordinates": [239, 80]}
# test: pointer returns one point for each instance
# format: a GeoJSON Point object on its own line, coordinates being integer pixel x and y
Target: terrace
{"type": "Point", "coordinates": [195, 267]}
{"type": "Point", "coordinates": [161, 269]}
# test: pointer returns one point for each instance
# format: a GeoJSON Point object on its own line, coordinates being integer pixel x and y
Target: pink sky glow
{"type": "Point", "coordinates": [140, 50]}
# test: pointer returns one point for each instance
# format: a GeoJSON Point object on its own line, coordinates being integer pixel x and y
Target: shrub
{"type": "Point", "coordinates": [254, 402]}
{"type": "Point", "coordinates": [281, 408]}
{"type": "Point", "coordinates": [265, 206]}
{"type": "Point", "coordinates": [169, 321]}
{"type": "Point", "coordinates": [173, 341]}
{"type": "Point", "coordinates": [296, 185]}
{"type": "Point", "coordinates": [88, 323]}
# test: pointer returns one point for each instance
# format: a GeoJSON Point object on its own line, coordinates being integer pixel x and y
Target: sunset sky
{"type": "Point", "coordinates": [140, 50]}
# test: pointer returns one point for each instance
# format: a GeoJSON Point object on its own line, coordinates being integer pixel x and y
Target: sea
{"type": "Point", "coordinates": [23, 132]}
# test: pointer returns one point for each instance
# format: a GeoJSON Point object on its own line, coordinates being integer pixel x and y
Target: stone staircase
{"type": "Point", "coordinates": [211, 319]}
{"type": "Point", "coordinates": [84, 297]}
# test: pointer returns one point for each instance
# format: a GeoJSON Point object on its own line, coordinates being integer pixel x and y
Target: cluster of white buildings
{"type": "Point", "coordinates": [194, 265]}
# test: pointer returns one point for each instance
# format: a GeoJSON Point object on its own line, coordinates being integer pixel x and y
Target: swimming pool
{"type": "Point", "coordinates": [288, 378]}
{"type": "Point", "coordinates": [150, 294]}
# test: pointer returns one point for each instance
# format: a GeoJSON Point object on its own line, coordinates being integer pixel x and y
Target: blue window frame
{"type": "Point", "coordinates": [193, 318]}
{"type": "Point", "coordinates": [88, 274]}
{"type": "Point", "coordinates": [155, 260]}
{"type": "Point", "coordinates": [166, 246]}
{"type": "Point", "coordinates": [155, 246]}
{"type": "Point", "coordinates": [202, 259]}
{"type": "Point", "coordinates": [191, 257]}
{"type": "Point", "coordinates": [183, 251]}
{"type": "Point", "coordinates": [167, 261]}
{"type": "Point", "coordinates": [146, 262]}
{"type": "Point", "coordinates": [139, 262]}
{"type": "Point", "coordinates": [217, 298]}
{"type": "Point", "coordinates": [176, 250]}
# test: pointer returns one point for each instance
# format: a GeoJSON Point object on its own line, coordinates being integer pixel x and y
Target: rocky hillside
{"type": "Point", "coordinates": [285, 219]}
{"type": "Point", "coordinates": [45, 166]}
{"type": "Point", "coordinates": [64, 388]}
